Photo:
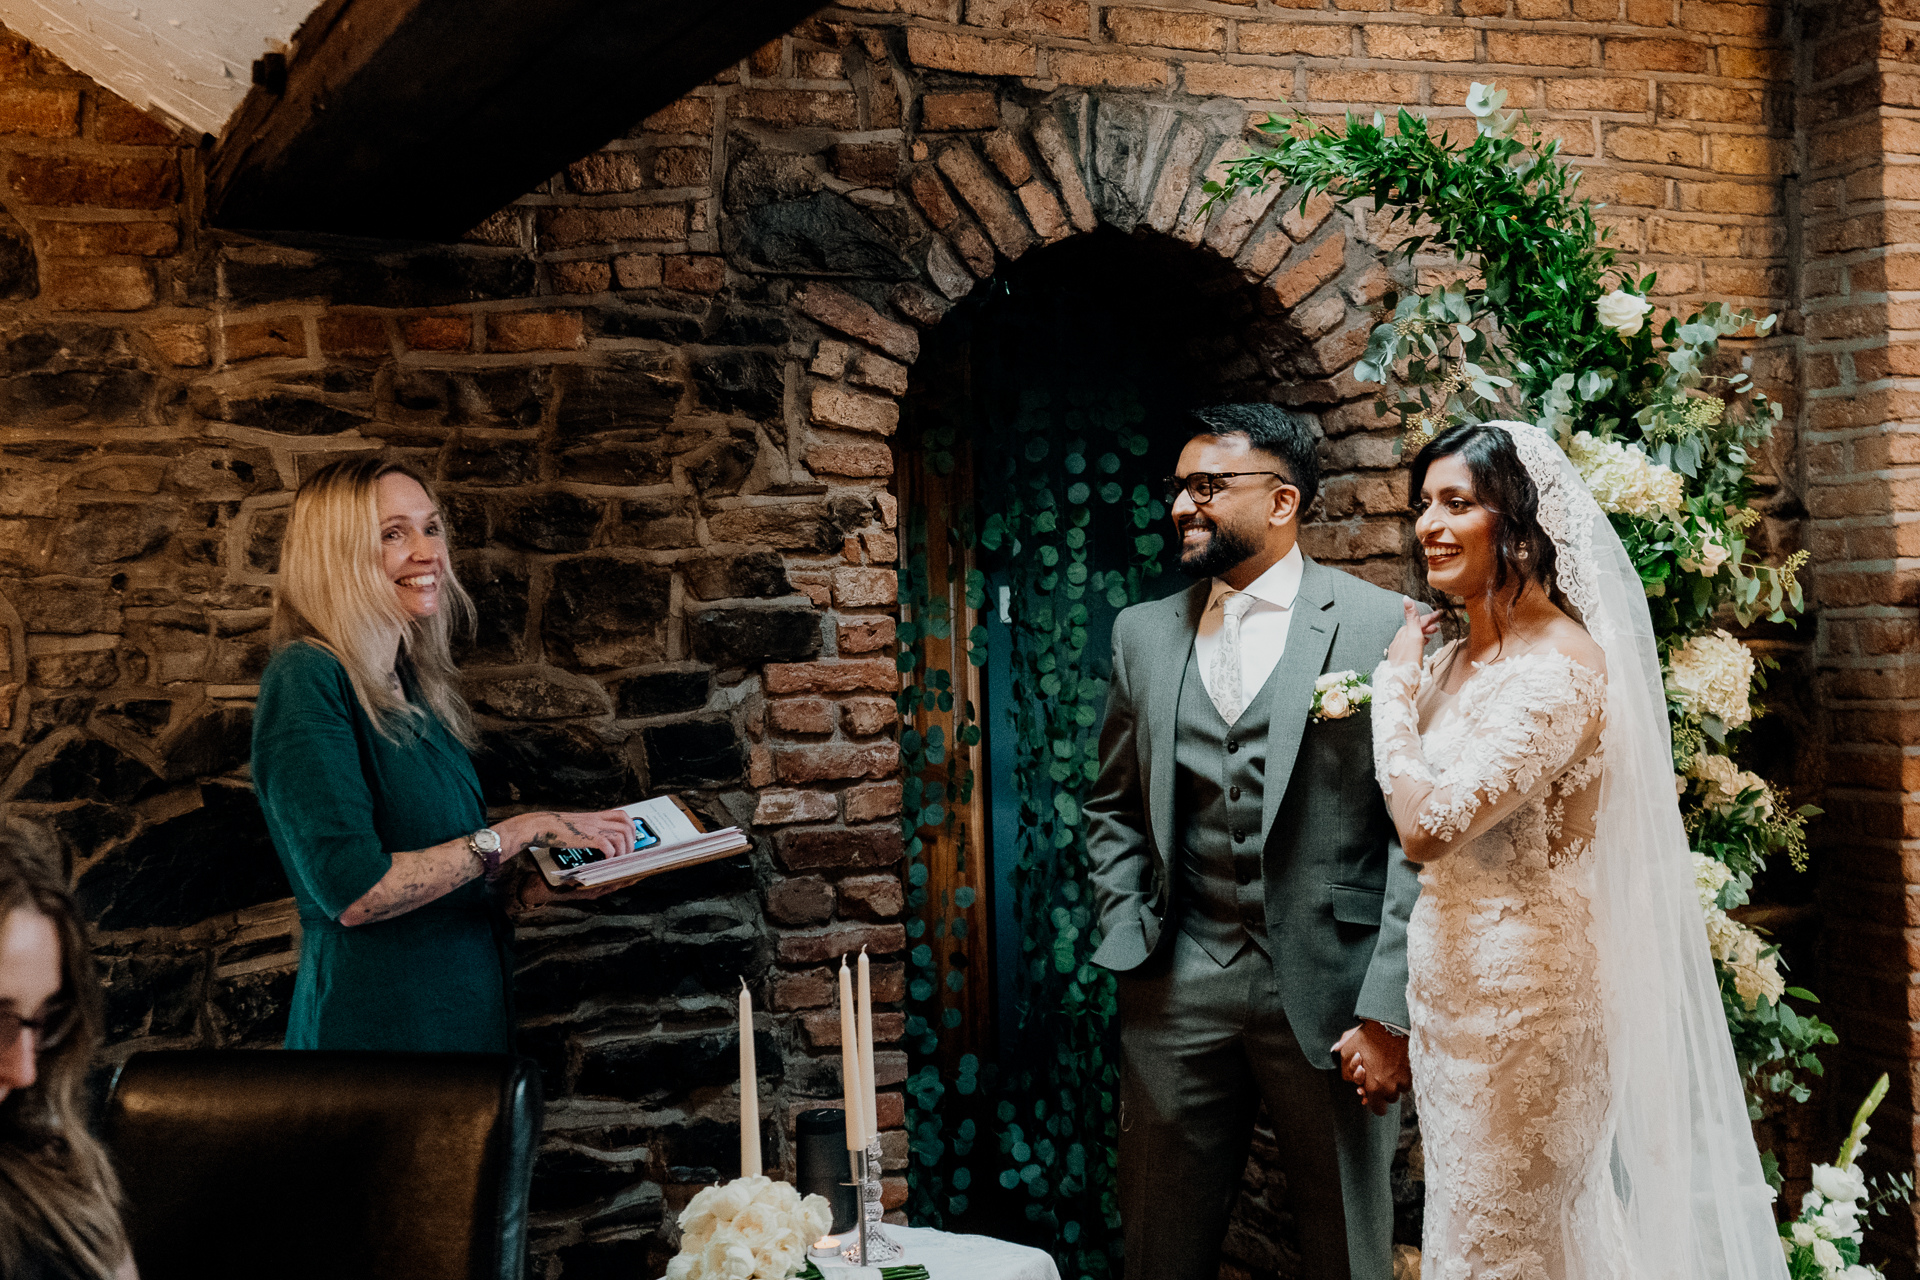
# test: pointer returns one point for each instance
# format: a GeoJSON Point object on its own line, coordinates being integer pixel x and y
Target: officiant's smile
{"type": "Point", "coordinates": [413, 543]}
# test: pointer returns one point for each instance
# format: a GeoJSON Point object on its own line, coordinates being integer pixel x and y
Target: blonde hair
{"type": "Point", "coordinates": [334, 592]}
{"type": "Point", "coordinates": [59, 1197]}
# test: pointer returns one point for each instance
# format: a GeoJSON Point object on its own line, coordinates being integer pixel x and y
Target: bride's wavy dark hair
{"type": "Point", "coordinates": [1501, 485]}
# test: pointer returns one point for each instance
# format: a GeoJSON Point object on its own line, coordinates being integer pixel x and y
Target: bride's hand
{"type": "Point", "coordinates": [1410, 642]}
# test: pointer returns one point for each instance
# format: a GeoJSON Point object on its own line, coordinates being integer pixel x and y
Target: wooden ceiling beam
{"type": "Point", "coordinates": [416, 119]}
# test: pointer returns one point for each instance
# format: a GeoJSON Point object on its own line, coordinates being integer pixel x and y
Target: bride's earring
{"type": "Point", "coordinates": [1522, 552]}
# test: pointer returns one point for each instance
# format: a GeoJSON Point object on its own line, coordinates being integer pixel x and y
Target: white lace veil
{"type": "Point", "coordinates": [1680, 1179]}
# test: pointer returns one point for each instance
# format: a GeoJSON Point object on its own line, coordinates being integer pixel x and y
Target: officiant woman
{"type": "Point", "coordinates": [361, 745]}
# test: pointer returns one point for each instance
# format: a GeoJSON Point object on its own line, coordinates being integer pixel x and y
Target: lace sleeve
{"type": "Point", "coordinates": [1396, 726]}
{"type": "Point", "coordinates": [1523, 729]}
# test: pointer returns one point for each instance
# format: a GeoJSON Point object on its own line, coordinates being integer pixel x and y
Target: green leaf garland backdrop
{"type": "Point", "coordinates": [1065, 516]}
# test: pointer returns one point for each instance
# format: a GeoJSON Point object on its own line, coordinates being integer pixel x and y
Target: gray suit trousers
{"type": "Point", "coordinates": [1202, 1045]}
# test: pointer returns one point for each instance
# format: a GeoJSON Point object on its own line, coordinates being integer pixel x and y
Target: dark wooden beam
{"type": "Point", "coordinates": [416, 119]}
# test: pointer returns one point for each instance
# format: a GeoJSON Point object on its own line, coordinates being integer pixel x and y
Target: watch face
{"type": "Point", "coordinates": [487, 840]}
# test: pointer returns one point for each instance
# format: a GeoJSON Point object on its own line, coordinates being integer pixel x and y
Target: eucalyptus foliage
{"type": "Point", "coordinates": [1056, 474]}
{"type": "Point", "coordinates": [1541, 326]}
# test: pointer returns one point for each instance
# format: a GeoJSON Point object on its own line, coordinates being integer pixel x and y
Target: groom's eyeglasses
{"type": "Point", "coordinates": [1204, 484]}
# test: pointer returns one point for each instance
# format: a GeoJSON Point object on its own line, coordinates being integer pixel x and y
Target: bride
{"type": "Point", "coordinates": [1580, 1109]}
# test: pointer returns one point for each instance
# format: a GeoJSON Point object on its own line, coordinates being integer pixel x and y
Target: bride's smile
{"type": "Point", "coordinates": [1456, 531]}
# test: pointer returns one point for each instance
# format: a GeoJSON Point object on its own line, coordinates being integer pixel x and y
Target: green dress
{"type": "Point", "coordinates": [340, 798]}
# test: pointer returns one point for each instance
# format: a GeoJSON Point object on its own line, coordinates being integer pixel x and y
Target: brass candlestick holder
{"type": "Point", "coordinates": [872, 1246]}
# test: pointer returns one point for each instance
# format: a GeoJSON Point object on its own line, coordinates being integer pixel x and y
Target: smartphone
{"type": "Point", "coordinates": [644, 837]}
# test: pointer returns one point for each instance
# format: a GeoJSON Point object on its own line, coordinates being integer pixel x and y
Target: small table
{"type": "Point", "coordinates": [952, 1257]}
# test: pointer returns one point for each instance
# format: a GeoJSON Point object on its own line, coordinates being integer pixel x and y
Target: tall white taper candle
{"type": "Point", "coordinates": [850, 1063]}
{"type": "Point", "coordinates": [749, 1090]}
{"type": "Point", "coordinates": [869, 1099]}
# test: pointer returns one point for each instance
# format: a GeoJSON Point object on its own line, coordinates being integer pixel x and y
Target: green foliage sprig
{"type": "Point", "coordinates": [1540, 326]}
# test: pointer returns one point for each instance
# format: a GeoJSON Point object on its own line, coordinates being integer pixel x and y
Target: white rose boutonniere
{"type": "Point", "coordinates": [1623, 312]}
{"type": "Point", "coordinates": [1338, 694]}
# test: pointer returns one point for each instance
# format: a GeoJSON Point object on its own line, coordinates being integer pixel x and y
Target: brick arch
{"type": "Point", "coordinates": [1031, 176]}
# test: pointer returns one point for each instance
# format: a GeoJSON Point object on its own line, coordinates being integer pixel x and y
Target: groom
{"type": "Point", "coordinates": [1250, 891]}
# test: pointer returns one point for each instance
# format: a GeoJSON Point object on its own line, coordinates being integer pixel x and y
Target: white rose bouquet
{"type": "Point", "coordinates": [1338, 694]}
{"type": "Point", "coordinates": [748, 1229]}
{"type": "Point", "coordinates": [1823, 1243]}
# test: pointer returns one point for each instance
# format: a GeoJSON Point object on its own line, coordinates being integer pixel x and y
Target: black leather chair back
{"type": "Point", "coordinates": [347, 1166]}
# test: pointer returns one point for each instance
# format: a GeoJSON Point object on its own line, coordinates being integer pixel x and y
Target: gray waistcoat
{"type": "Point", "coordinates": [1219, 774]}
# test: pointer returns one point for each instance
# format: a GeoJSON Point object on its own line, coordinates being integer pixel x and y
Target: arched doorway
{"type": "Point", "coordinates": [1041, 416]}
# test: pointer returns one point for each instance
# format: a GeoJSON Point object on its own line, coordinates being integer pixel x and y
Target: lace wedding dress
{"type": "Point", "coordinates": [1582, 1110]}
{"type": "Point", "coordinates": [1508, 1035]}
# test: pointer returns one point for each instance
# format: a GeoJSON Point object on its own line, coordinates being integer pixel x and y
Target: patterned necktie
{"type": "Point", "coordinates": [1225, 686]}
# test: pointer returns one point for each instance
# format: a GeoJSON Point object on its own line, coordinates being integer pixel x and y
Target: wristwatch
{"type": "Point", "coordinates": [484, 844]}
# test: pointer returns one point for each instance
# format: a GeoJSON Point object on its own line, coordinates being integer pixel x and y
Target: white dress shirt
{"type": "Point", "coordinates": [1263, 631]}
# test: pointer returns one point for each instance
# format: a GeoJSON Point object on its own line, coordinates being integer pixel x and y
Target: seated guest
{"type": "Point", "coordinates": [59, 1200]}
{"type": "Point", "coordinates": [360, 760]}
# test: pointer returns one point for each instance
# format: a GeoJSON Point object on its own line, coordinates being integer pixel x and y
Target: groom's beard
{"type": "Point", "coordinates": [1222, 552]}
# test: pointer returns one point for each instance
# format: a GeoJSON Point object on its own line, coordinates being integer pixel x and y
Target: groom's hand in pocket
{"type": "Point", "coordinates": [1374, 1061]}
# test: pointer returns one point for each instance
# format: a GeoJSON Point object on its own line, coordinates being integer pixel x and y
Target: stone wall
{"type": "Point", "coordinates": [659, 395]}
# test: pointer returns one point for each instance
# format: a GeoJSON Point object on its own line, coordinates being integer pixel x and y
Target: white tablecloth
{"type": "Point", "coordinates": [951, 1257]}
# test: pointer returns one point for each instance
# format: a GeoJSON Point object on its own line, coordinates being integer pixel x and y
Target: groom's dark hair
{"type": "Point", "coordinates": [1286, 435]}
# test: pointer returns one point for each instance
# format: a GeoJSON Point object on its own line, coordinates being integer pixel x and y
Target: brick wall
{"type": "Point", "coordinates": [1857, 94]}
{"type": "Point", "coordinates": [660, 395]}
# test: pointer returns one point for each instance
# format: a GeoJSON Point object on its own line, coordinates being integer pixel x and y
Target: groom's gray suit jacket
{"type": "Point", "coordinates": [1338, 891]}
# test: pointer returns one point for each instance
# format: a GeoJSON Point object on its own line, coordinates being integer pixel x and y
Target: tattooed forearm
{"type": "Point", "coordinates": [417, 877]}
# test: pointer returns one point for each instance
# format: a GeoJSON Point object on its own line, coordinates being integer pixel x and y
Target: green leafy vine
{"type": "Point", "coordinates": [1060, 478]}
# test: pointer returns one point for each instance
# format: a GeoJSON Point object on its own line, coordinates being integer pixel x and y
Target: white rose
{"type": "Point", "coordinates": [1622, 312]}
{"type": "Point", "coordinates": [683, 1267]}
{"type": "Point", "coordinates": [819, 1215]}
{"type": "Point", "coordinates": [1803, 1233]}
{"type": "Point", "coordinates": [728, 1201]}
{"type": "Point", "coordinates": [1860, 1271]}
{"type": "Point", "coordinates": [1827, 1256]}
{"type": "Point", "coordinates": [727, 1259]}
{"type": "Point", "coordinates": [1839, 1184]}
{"type": "Point", "coordinates": [1837, 1221]}
{"type": "Point", "coordinates": [757, 1223]}
{"type": "Point", "coordinates": [1333, 704]}
{"type": "Point", "coordinates": [1712, 554]}
{"type": "Point", "coordinates": [701, 1206]}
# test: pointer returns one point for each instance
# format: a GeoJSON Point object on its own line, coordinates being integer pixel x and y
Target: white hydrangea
{"type": "Point", "coordinates": [1710, 876]}
{"type": "Point", "coordinates": [748, 1229]}
{"type": "Point", "coordinates": [1755, 976]}
{"type": "Point", "coordinates": [1712, 675]}
{"type": "Point", "coordinates": [1725, 783]}
{"type": "Point", "coordinates": [1625, 480]}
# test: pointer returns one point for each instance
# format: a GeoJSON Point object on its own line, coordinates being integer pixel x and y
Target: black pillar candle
{"type": "Point", "coordinates": [820, 1164]}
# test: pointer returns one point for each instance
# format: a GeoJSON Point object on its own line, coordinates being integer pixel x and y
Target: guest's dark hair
{"type": "Point", "coordinates": [1501, 485]}
{"type": "Point", "coordinates": [58, 1194]}
{"type": "Point", "coordinates": [1286, 435]}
